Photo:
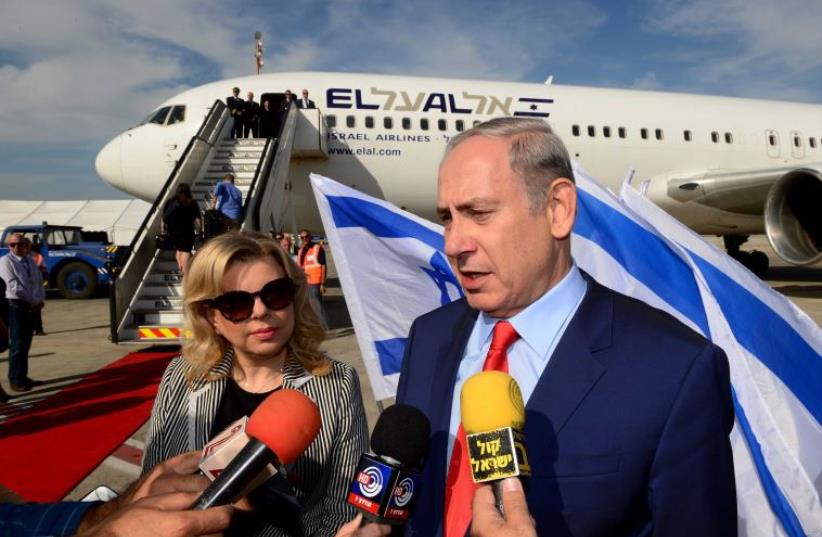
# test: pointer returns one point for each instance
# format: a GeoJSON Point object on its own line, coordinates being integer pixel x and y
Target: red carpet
{"type": "Point", "coordinates": [47, 450]}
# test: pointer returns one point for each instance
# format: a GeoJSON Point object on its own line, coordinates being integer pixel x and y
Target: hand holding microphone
{"type": "Point", "coordinates": [493, 417]}
{"type": "Point", "coordinates": [280, 430]}
{"type": "Point", "coordinates": [488, 521]}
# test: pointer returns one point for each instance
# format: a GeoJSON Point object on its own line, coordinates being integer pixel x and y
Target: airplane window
{"type": "Point", "coordinates": [715, 137]}
{"type": "Point", "coordinates": [687, 135]}
{"type": "Point", "coordinates": [796, 141]}
{"type": "Point", "coordinates": [424, 124]}
{"type": "Point", "coordinates": [812, 141]}
{"type": "Point", "coordinates": [729, 138]}
{"type": "Point", "coordinates": [388, 122]}
{"type": "Point", "coordinates": [643, 132]}
{"type": "Point", "coordinates": [406, 123]}
{"type": "Point", "coordinates": [477, 122]}
{"type": "Point", "coordinates": [350, 121]}
{"type": "Point", "coordinates": [772, 139]}
{"type": "Point", "coordinates": [606, 132]}
{"type": "Point", "coordinates": [178, 115]}
{"type": "Point", "coordinates": [330, 121]}
{"type": "Point", "coordinates": [442, 124]}
{"type": "Point", "coordinates": [460, 125]}
{"type": "Point", "coordinates": [622, 132]}
{"type": "Point", "coordinates": [575, 130]}
{"type": "Point", "coordinates": [369, 122]}
{"type": "Point", "coordinates": [160, 117]}
{"type": "Point", "coordinates": [592, 131]}
{"type": "Point", "coordinates": [659, 134]}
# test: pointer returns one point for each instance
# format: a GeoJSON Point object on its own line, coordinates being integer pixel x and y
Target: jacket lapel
{"type": "Point", "coordinates": [573, 369]}
{"type": "Point", "coordinates": [442, 391]}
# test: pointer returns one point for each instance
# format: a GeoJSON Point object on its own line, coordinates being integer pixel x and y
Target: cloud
{"type": "Point", "coordinates": [79, 72]}
{"type": "Point", "coordinates": [647, 81]}
{"type": "Point", "coordinates": [746, 47]}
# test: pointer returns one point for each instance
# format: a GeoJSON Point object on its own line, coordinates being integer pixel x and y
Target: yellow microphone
{"type": "Point", "coordinates": [493, 418]}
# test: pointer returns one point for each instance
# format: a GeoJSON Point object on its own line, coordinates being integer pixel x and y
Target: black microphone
{"type": "Point", "coordinates": [281, 428]}
{"type": "Point", "coordinates": [387, 483]}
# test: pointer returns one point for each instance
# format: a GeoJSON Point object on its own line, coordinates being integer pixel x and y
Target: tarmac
{"type": "Point", "coordinates": [77, 343]}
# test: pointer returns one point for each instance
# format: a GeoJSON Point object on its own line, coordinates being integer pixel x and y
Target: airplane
{"type": "Point", "coordinates": [722, 165]}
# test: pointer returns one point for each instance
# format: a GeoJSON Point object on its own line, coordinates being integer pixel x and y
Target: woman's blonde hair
{"type": "Point", "coordinates": [203, 348]}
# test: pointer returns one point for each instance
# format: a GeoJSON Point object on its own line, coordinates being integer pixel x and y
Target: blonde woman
{"type": "Point", "coordinates": [253, 331]}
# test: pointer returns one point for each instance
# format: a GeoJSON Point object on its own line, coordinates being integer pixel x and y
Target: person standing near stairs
{"type": "Point", "coordinates": [228, 200]}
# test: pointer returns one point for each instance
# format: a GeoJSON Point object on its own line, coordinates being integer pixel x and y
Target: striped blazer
{"type": "Point", "coordinates": [184, 411]}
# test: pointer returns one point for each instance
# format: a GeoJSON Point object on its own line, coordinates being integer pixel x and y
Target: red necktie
{"type": "Point", "coordinates": [460, 487]}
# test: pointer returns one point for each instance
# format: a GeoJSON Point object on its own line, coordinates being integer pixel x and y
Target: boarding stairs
{"type": "Point", "coordinates": [158, 309]}
{"type": "Point", "coordinates": [146, 297]}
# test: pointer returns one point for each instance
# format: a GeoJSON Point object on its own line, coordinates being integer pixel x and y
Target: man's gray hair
{"type": "Point", "coordinates": [536, 154]}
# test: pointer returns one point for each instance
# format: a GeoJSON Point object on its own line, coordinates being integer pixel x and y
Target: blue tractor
{"type": "Point", "coordinates": [75, 262]}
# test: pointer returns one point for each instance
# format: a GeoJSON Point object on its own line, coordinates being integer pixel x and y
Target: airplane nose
{"type": "Point", "coordinates": [109, 163]}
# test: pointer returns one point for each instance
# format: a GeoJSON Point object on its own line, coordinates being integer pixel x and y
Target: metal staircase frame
{"type": "Point", "coordinates": [142, 251]}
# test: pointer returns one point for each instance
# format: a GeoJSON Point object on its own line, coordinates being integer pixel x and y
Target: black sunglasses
{"type": "Point", "coordinates": [237, 306]}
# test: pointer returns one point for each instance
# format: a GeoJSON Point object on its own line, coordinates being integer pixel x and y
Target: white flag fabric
{"type": "Point", "coordinates": [392, 269]}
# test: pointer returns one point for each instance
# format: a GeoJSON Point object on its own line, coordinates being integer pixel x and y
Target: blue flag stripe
{"type": "Point", "coordinates": [767, 335]}
{"type": "Point", "coordinates": [779, 504]}
{"type": "Point", "coordinates": [643, 254]}
{"type": "Point", "coordinates": [390, 353]}
{"type": "Point", "coordinates": [382, 222]}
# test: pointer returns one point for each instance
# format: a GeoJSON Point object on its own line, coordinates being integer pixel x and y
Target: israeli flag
{"type": "Point", "coordinates": [393, 269]}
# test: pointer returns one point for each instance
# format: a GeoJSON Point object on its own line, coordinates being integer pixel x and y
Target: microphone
{"type": "Point", "coordinates": [281, 428]}
{"type": "Point", "coordinates": [386, 484]}
{"type": "Point", "coordinates": [493, 417]}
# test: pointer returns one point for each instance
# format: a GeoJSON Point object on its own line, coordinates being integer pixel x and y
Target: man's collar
{"type": "Point", "coordinates": [539, 322]}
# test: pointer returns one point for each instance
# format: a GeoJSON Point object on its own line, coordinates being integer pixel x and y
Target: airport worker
{"type": "Point", "coordinates": [311, 258]}
{"type": "Point", "coordinates": [251, 123]}
{"type": "Point", "coordinates": [236, 107]}
{"type": "Point", "coordinates": [305, 102]}
{"type": "Point", "coordinates": [253, 332]}
{"type": "Point", "coordinates": [628, 411]}
{"type": "Point", "coordinates": [25, 294]}
{"type": "Point", "coordinates": [228, 199]}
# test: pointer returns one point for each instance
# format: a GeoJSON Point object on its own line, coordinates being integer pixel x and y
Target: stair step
{"type": "Point", "coordinates": [159, 304]}
{"type": "Point", "coordinates": [164, 267]}
{"type": "Point", "coordinates": [164, 278]}
{"type": "Point", "coordinates": [155, 317]}
{"type": "Point", "coordinates": [232, 154]}
{"type": "Point", "coordinates": [232, 168]}
{"type": "Point", "coordinates": [241, 142]}
{"type": "Point", "coordinates": [162, 290]}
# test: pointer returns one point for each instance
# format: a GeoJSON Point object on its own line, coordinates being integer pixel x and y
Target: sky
{"type": "Point", "coordinates": [75, 74]}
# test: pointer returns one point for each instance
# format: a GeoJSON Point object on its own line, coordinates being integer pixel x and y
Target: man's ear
{"type": "Point", "coordinates": [562, 207]}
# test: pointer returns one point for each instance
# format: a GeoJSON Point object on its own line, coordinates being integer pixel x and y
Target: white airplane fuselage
{"type": "Point", "coordinates": [685, 149]}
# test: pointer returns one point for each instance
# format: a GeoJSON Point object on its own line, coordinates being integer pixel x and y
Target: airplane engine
{"type": "Point", "coordinates": [793, 216]}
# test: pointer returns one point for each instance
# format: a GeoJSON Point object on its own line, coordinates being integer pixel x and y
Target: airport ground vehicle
{"type": "Point", "coordinates": [76, 262]}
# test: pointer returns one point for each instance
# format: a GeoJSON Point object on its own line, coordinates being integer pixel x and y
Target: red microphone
{"type": "Point", "coordinates": [280, 430]}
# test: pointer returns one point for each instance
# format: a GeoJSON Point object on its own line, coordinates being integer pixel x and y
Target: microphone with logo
{"type": "Point", "coordinates": [493, 417]}
{"type": "Point", "coordinates": [280, 430]}
{"type": "Point", "coordinates": [387, 483]}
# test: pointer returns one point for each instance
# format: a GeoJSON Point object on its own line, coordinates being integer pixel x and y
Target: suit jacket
{"type": "Point", "coordinates": [235, 105]}
{"type": "Point", "coordinates": [626, 431]}
{"type": "Point", "coordinates": [301, 103]}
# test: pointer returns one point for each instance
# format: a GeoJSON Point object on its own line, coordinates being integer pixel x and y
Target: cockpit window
{"type": "Point", "coordinates": [178, 115]}
{"type": "Point", "coordinates": [160, 116]}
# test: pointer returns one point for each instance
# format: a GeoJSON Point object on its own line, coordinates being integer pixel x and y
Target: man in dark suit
{"type": "Point", "coordinates": [236, 106]}
{"type": "Point", "coordinates": [628, 411]}
{"type": "Point", "coordinates": [304, 101]}
{"type": "Point", "coordinates": [251, 113]}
